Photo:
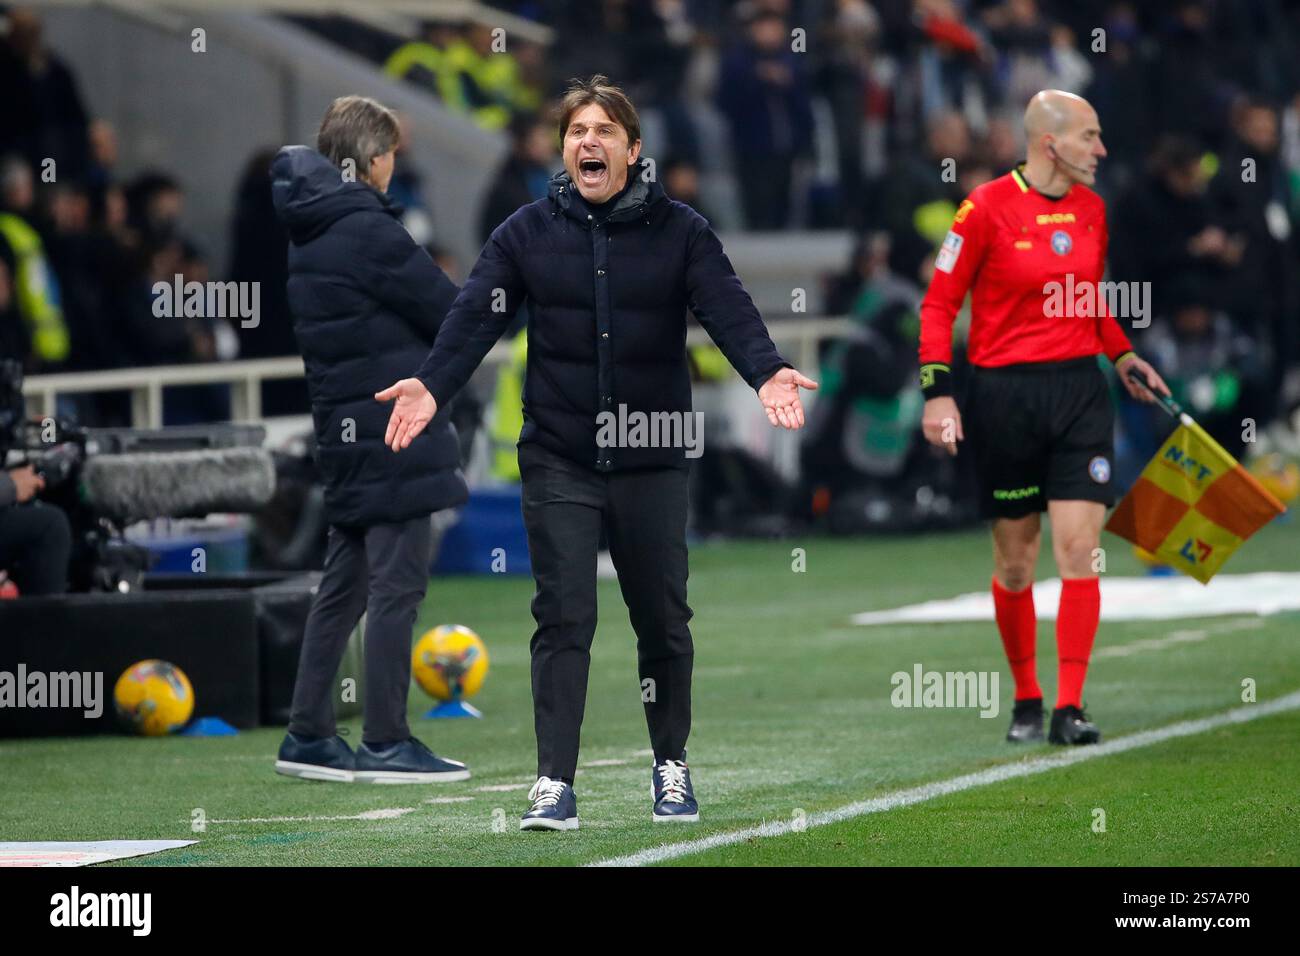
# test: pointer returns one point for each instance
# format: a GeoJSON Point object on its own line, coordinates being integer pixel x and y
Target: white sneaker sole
{"type": "Point", "coordinates": [540, 824]}
{"type": "Point", "coordinates": [398, 776]}
{"type": "Point", "coordinates": [675, 818]}
{"type": "Point", "coordinates": [311, 771]}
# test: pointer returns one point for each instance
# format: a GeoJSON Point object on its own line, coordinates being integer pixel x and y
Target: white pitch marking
{"type": "Point", "coordinates": [643, 753]}
{"type": "Point", "coordinates": [448, 799]}
{"type": "Point", "coordinates": [607, 763]}
{"type": "Point", "coordinates": [1151, 644]}
{"type": "Point", "coordinates": [1179, 637]}
{"type": "Point", "coordinates": [942, 788]}
{"type": "Point", "coordinates": [385, 813]}
{"type": "Point", "coordinates": [502, 787]}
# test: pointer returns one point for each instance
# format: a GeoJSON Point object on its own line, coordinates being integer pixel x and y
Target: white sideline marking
{"type": "Point", "coordinates": [449, 799]}
{"type": "Point", "coordinates": [612, 762]}
{"type": "Point", "coordinates": [503, 787]}
{"type": "Point", "coordinates": [941, 788]}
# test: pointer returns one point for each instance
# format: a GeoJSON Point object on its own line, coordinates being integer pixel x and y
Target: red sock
{"type": "Point", "coordinates": [1019, 629]}
{"type": "Point", "coordinates": [1076, 626]}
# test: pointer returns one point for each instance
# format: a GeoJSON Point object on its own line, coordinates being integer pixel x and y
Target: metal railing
{"type": "Point", "coordinates": [797, 338]}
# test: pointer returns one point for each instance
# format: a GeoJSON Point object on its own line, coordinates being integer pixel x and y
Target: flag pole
{"type": "Point", "coordinates": [1165, 401]}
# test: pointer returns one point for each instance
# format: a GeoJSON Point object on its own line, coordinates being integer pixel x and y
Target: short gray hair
{"type": "Point", "coordinates": [357, 128]}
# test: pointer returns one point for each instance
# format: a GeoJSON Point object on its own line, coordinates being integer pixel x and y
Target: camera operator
{"type": "Point", "coordinates": [35, 538]}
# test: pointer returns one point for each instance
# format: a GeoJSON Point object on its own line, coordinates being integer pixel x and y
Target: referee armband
{"type": "Point", "coordinates": [936, 380]}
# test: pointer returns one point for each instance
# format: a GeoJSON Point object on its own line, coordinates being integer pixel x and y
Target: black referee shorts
{"type": "Point", "coordinates": [1039, 432]}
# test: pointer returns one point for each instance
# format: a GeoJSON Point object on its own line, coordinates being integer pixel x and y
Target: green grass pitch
{"type": "Point", "coordinates": [792, 715]}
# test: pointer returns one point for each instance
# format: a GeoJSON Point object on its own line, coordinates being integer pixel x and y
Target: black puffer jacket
{"type": "Point", "coordinates": [366, 303]}
{"type": "Point", "coordinates": [608, 292]}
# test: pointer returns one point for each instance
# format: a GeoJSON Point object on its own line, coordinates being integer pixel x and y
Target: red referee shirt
{"type": "Point", "coordinates": [1007, 243]}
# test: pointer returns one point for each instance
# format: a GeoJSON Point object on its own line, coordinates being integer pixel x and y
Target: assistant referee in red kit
{"type": "Point", "coordinates": [1037, 414]}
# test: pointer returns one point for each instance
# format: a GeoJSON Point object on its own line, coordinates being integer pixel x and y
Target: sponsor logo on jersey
{"type": "Point", "coordinates": [1024, 244]}
{"type": "Point", "coordinates": [1061, 242]}
{"type": "Point", "coordinates": [1099, 469]}
{"type": "Point", "coordinates": [1054, 218]}
{"type": "Point", "coordinates": [949, 252]}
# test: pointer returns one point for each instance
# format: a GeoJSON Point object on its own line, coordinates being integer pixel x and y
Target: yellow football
{"type": "Point", "coordinates": [153, 698]}
{"type": "Point", "coordinates": [450, 662]}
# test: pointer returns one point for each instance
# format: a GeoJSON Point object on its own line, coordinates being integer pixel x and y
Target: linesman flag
{"type": "Point", "coordinates": [1193, 505]}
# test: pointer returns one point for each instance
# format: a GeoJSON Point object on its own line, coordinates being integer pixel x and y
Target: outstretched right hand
{"type": "Point", "coordinates": [941, 423]}
{"type": "Point", "coordinates": [414, 409]}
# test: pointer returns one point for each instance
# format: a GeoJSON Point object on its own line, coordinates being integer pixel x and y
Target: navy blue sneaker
{"type": "Point", "coordinates": [673, 796]}
{"type": "Point", "coordinates": [554, 806]}
{"type": "Point", "coordinates": [316, 758]}
{"type": "Point", "coordinates": [407, 761]}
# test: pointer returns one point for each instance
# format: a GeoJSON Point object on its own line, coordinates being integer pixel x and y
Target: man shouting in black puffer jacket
{"type": "Point", "coordinates": [609, 266]}
{"type": "Point", "coordinates": [366, 304]}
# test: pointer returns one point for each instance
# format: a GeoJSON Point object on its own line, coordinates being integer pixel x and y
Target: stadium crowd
{"type": "Point", "coordinates": [875, 116]}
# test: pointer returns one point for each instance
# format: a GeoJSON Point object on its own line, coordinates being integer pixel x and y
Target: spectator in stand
{"type": "Point", "coordinates": [525, 174]}
{"type": "Point", "coordinates": [468, 71]}
{"type": "Point", "coordinates": [160, 252]}
{"type": "Point", "coordinates": [949, 57]}
{"type": "Point", "coordinates": [81, 259]}
{"type": "Point", "coordinates": [103, 162]}
{"type": "Point", "coordinates": [1022, 37]}
{"type": "Point", "coordinates": [764, 95]}
{"type": "Point", "coordinates": [35, 285]}
{"type": "Point", "coordinates": [41, 114]}
{"type": "Point", "coordinates": [843, 77]}
{"type": "Point", "coordinates": [924, 191]}
{"type": "Point", "coordinates": [259, 253]}
{"type": "Point", "coordinates": [1251, 195]}
{"type": "Point", "coordinates": [659, 40]}
{"type": "Point", "coordinates": [1186, 84]}
{"type": "Point", "coordinates": [407, 190]}
{"type": "Point", "coordinates": [1120, 91]}
{"type": "Point", "coordinates": [1002, 146]}
{"type": "Point", "coordinates": [1165, 228]}
{"type": "Point", "coordinates": [13, 334]}
{"type": "Point", "coordinates": [681, 180]}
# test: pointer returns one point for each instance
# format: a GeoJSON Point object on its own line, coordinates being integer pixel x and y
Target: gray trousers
{"type": "Point", "coordinates": [382, 570]}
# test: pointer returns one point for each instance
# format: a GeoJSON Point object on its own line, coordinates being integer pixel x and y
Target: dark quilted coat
{"type": "Point", "coordinates": [608, 292]}
{"type": "Point", "coordinates": [366, 303]}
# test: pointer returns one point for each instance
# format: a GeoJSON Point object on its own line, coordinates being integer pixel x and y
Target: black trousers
{"type": "Point", "coordinates": [382, 570]}
{"type": "Point", "coordinates": [643, 514]}
{"type": "Point", "coordinates": [35, 544]}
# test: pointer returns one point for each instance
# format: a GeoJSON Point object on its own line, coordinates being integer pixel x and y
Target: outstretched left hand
{"type": "Point", "coordinates": [780, 397]}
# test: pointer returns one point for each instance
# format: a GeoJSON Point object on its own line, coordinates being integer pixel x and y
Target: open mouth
{"type": "Point", "coordinates": [591, 171]}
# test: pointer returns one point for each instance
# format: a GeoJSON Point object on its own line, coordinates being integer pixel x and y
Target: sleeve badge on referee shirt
{"type": "Point", "coordinates": [948, 252]}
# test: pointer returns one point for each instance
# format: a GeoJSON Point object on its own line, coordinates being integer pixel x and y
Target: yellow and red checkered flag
{"type": "Point", "coordinates": [1194, 504]}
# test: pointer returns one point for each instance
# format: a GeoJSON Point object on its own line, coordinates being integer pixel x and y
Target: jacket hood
{"type": "Point", "coordinates": [310, 194]}
{"type": "Point", "coordinates": [640, 196]}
